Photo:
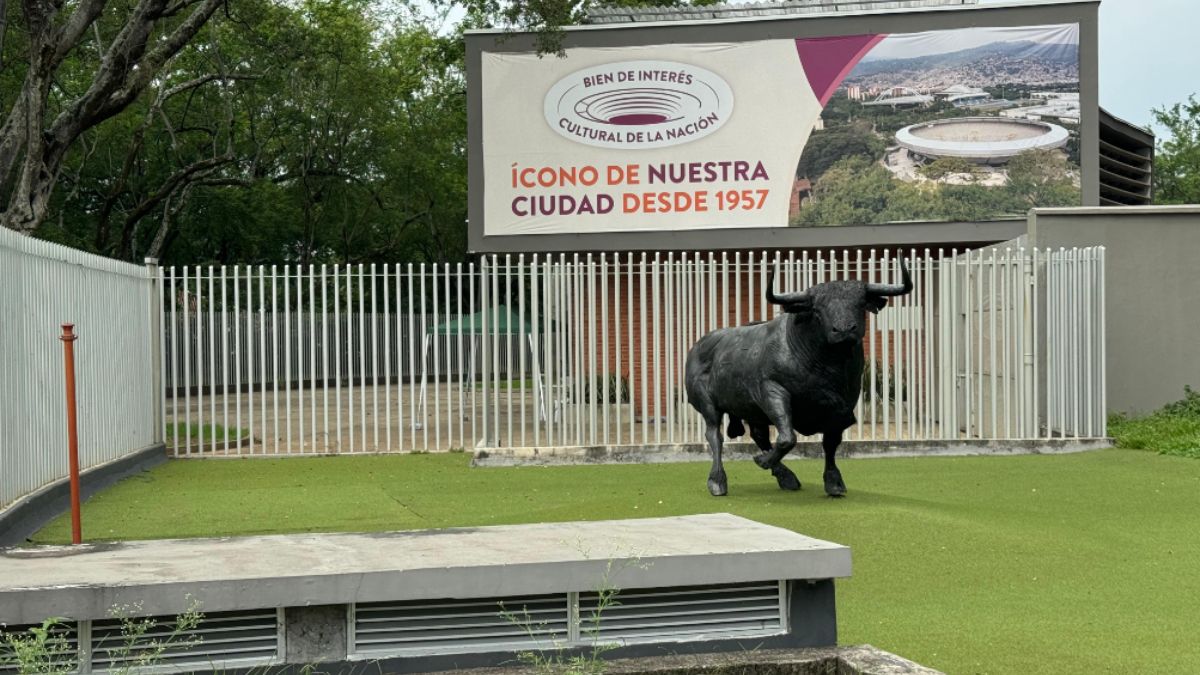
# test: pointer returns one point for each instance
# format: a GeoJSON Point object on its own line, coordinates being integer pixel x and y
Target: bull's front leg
{"type": "Point", "coordinates": [834, 485]}
{"type": "Point", "coordinates": [777, 405]}
{"type": "Point", "coordinates": [761, 433]}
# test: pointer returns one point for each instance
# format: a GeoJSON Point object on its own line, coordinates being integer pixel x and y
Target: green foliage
{"type": "Point", "coordinates": [143, 641]}
{"type": "Point", "coordinates": [827, 147]}
{"type": "Point", "coordinates": [618, 388]}
{"type": "Point", "coordinates": [340, 135]}
{"type": "Point", "coordinates": [42, 650]}
{"type": "Point", "coordinates": [1173, 429]}
{"type": "Point", "coordinates": [878, 391]}
{"type": "Point", "coordinates": [1177, 158]}
{"type": "Point", "coordinates": [949, 166]}
{"type": "Point", "coordinates": [1042, 178]}
{"type": "Point", "coordinates": [140, 645]}
{"type": "Point", "coordinates": [855, 191]}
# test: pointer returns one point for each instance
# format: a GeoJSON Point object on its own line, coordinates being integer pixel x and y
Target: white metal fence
{"type": "Point", "coordinates": [589, 349]}
{"type": "Point", "coordinates": [42, 286]}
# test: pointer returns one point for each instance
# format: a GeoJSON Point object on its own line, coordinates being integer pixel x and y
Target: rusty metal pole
{"type": "Point", "coordinates": [68, 338]}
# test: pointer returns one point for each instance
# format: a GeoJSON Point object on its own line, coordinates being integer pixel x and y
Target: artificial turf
{"type": "Point", "coordinates": [1086, 563]}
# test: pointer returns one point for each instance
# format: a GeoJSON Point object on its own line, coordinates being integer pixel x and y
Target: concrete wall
{"type": "Point", "coordinates": [1153, 279]}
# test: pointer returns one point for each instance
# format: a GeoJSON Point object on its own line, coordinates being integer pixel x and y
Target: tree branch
{"type": "Point", "coordinates": [71, 32]}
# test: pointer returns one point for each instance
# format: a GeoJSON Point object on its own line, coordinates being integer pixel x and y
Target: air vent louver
{"type": "Point", "coordinates": [674, 614]}
{"type": "Point", "coordinates": [220, 640]}
{"type": "Point", "coordinates": [456, 626]}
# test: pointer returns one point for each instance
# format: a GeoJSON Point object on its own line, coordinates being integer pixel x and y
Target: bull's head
{"type": "Point", "coordinates": [839, 306]}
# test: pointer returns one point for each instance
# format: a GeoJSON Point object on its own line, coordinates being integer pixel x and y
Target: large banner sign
{"type": "Point", "coordinates": [959, 124]}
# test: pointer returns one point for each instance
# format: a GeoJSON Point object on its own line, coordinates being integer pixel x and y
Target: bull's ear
{"type": "Point", "coordinates": [801, 306]}
{"type": "Point", "coordinates": [876, 303]}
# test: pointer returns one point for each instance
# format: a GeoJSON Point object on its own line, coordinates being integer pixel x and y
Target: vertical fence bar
{"type": "Point", "coordinates": [325, 349]}
{"type": "Point", "coordinates": [475, 339]}
{"type": "Point", "coordinates": [413, 425]}
{"type": "Point", "coordinates": [618, 354]}
{"type": "Point", "coordinates": [262, 351]}
{"type": "Point", "coordinates": [670, 315]}
{"type": "Point", "coordinates": [198, 363]}
{"type": "Point", "coordinates": [629, 351]}
{"type": "Point", "coordinates": [458, 284]}
{"type": "Point", "coordinates": [274, 344]}
{"type": "Point", "coordinates": [225, 359]}
{"type": "Point", "coordinates": [286, 336]}
{"type": "Point", "coordinates": [184, 435]}
{"type": "Point", "coordinates": [522, 342]}
{"type": "Point", "coordinates": [175, 360]}
{"type": "Point", "coordinates": [495, 317]}
{"type": "Point", "coordinates": [605, 374]}
{"type": "Point", "coordinates": [374, 359]}
{"type": "Point", "coordinates": [437, 359]}
{"type": "Point", "coordinates": [212, 363]}
{"type": "Point", "coordinates": [250, 361]}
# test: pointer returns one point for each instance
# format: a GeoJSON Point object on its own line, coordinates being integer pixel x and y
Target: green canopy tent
{"type": "Point", "coordinates": [502, 322]}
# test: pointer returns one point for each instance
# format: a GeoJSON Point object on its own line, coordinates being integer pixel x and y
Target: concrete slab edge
{"type": "Point", "coordinates": [33, 511]}
{"type": "Point", "coordinates": [698, 452]}
{"type": "Point", "coordinates": [851, 660]}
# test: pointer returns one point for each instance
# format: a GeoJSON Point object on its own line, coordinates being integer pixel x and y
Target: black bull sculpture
{"type": "Point", "coordinates": [801, 372]}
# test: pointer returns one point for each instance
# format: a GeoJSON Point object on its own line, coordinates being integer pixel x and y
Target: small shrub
{"type": "Point", "coordinates": [877, 391]}
{"type": "Point", "coordinates": [41, 649]}
{"type": "Point", "coordinates": [618, 389]}
{"type": "Point", "coordinates": [1173, 429]}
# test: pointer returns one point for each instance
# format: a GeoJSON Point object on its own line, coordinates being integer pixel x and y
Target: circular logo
{"type": "Point", "coordinates": [638, 104]}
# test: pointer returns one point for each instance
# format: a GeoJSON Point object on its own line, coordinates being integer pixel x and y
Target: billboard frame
{"type": "Point", "coordinates": [894, 21]}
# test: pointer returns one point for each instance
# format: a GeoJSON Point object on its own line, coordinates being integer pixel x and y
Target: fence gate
{"type": "Point", "coordinates": [582, 350]}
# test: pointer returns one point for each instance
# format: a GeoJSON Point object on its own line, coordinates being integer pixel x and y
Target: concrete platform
{"type": "Point", "coordinates": [280, 571]}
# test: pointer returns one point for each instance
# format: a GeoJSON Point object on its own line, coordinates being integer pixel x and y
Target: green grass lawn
{"type": "Point", "coordinates": [1085, 563]}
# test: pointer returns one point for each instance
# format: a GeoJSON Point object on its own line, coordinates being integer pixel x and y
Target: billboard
{"type": "Point", "coordinates": [973, 123]}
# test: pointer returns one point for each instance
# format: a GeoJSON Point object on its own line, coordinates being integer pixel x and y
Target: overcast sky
{"type": "Point", "coordinates": [907, 46]}
{"type": "Point", "coordinates": [1149, 55]}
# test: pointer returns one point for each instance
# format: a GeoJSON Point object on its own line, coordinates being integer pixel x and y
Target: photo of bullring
{"type": "Point", "coordinates": [965, 125]}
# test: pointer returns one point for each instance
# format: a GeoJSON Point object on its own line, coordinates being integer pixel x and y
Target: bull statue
{"type": "Point", "coordinates": [801, 372]}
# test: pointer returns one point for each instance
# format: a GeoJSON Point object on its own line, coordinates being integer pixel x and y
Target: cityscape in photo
{"type": "Point", "coordinates": [962, 125]}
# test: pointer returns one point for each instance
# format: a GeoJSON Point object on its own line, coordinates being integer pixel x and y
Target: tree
{"type": "Point", "coordinates": [1177, 158]}
{"type": "Point", "coordinates": [1042, 178]}
{"type": "Point", "coordinates": [824, 148]}
{"type": "Point", "coordinates": [59, 98]}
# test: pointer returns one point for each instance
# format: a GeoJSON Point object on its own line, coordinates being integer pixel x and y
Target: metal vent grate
{"type": "Point", "coordinates": [221, 639]}
{"type": "Point", "coordinates": [662, 614]}
{"type": "Point", "coordinates": [449, 626]}
{"type": "Point", "coordinates": [62, 647]}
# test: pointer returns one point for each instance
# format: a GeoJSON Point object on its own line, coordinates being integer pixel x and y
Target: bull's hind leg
{"type": "Point", "coordinates": [834, 485]}
{"type": "Point", "coordinates": [718, 484]}
{"type": "Point", "coordinates": [761, 433]}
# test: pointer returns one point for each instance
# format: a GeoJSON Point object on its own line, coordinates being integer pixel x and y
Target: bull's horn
{"type": "Point", "coordinates": [786, 298]}
{"type": "Point", "coordinates": [893, 289]}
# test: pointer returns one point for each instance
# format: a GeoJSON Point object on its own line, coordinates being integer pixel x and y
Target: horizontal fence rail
{"type": "Point", "coordinates": [43, 285]}
{"type": "Point", "coordinates": [582, 350]}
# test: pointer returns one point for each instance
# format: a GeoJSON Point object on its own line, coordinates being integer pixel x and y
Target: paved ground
{"type": "Point", "coordinates": [391, 418]}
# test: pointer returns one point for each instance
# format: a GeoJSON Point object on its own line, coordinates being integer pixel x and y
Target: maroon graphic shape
{"type": "Point", "coordinates": [828, 60]}
{"type": "Point", "coordinates": [637, 119]}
